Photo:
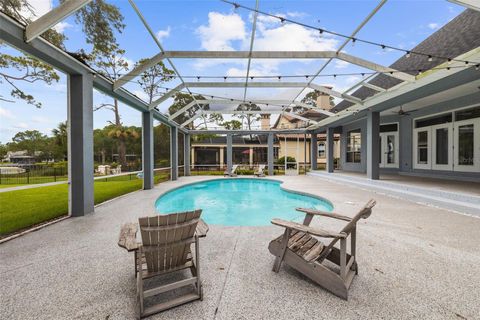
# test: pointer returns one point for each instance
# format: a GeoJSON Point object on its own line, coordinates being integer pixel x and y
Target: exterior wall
{"type": "Point", "coordinates": [406, 123]}
{"type": "Point", "coordinates": [348, 166]}
{"type": "Point", "coordinates": [291, 145]}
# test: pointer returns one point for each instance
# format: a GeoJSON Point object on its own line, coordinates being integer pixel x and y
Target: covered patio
{"type": "Point", "coordinates": [79, 271]}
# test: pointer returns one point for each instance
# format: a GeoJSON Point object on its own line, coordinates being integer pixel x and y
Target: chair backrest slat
{"type": "Point", "coordinates": [164, 238]}
{"type": "Point", "coordinates": [364, 213]}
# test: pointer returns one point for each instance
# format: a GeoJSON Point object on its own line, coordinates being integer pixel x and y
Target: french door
{"type": "Point", "coordinates": [389, 150]}
{"type": "Point", "coordinates": [442, 146]}
{"type": "Point", "coordinates": [467, 145]}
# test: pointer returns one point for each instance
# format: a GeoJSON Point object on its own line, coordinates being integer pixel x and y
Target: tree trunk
{"type": "Point", "coordinates": [121, 146]}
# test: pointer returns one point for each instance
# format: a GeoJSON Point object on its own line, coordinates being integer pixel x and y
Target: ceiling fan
{"type": "Point", "coordinates": [401, 112]}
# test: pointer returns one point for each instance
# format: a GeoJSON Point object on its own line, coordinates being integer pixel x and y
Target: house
{"type": "Point", "coordinates": [21, 157]}
{"type": "Point", "coordinates": [298, 145]}
{"type": "Point", "coordinates": [252, 149]}
{"type": "Point", "coordinates": [431, 128]}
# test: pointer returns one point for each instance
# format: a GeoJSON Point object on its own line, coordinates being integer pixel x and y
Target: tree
{"type": "Point", "coordinates": [26, 69]}
{"type": "Point", "coordinates": [181, 100]}
{"type": "Point", "coordinates": [3, 151]}
{"type": "Point", "coordinates": [111, 64]}
{"type": "Point", "coordinates": [248, 117]}
{"type": "Point", "coordinates": [102, 143]}
{"type": "Point", "coordinates": [152, 79]}
{"type": "Point", "coordinates": [30, 140]}
{"type": "Point", "coordinates": [60, 141]}
{"type": "Point", "coordinates": [100, 20]}
{"type": "Point", "coordinates": [232, 125]}
{"type": "Point", "coordinates": [311, 99]}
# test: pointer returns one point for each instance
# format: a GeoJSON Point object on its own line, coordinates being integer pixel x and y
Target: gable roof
{"type": "Point", "coordinates": [459, 36]}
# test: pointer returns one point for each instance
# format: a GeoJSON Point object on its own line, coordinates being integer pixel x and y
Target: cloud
{"type": "Point", "coordinates": [141, 94]}
{"type": "Point", "coordinates": [222, 30]}
{"type": "Point", "coordinates": [340, 64]}
{"type": "Point", "coordinates": [433, 25]}
{"type": "Point", "coordinates": [6, 114]}
{"type": "Point", "coordinates": [163, 34]}
{"type": "Point", "coordinates": [39, 8]}
{"type": "Point", "coordinates": [41, 119]}
{"type": "Point", "coordinates": [21, 125]}
{"type": "Point", "coordinates": [352, 79]}
{"type": "Point", "coordinates": [61, 26]}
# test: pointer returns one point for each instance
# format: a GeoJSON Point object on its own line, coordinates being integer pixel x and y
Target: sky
{"type": "Point", "coordinates": [215, 25]}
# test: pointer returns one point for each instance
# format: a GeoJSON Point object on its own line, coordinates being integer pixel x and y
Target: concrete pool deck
{"type": "Point", "coordinates": [415, 261]}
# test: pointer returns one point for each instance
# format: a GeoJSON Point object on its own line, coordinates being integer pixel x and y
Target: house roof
{"type": "Point", "coordinates": [457, 37]}
{"type": "Point", "coordinates": [309, 114]}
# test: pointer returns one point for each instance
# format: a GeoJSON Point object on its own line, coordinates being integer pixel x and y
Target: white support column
{"type": "Point", "coordinates": [329, 150]}
{"type": "Point", "coordinates": [313, 151]}
{"type": "Point", "coordinates": [373, 145]}
{"type": "Point", "coordinates": [221, 150]}
{"type": "Point", "coordinates": [80, 145]}
{"type": "Point", "coordinates": [186, 145]}
{"type": "Point", "coordinates": [147, 150]}
{"type": "Point", "coordinates": [229, 152]}
{"type": "Point", "coordinates": [270, 154]}
{"type": "Point", "coordinates": [250, 156]}
{"type": "Point", "coordinates": [174, 152]}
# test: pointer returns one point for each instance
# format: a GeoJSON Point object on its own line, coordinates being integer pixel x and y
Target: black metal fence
{"type": "Point", "coordinates": [36, 174]}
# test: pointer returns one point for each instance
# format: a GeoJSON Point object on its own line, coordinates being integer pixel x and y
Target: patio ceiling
{"type": "Point", "coordinates": [455, 70]}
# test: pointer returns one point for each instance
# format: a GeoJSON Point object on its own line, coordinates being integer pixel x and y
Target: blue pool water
{"type": "Point", "coordinates": [239, 202]}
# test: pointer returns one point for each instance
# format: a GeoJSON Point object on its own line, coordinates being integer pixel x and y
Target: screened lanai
{"type": "Point", "coordinates": [286, 159]}
{"type": "Point", "coordinates": [419, 73]}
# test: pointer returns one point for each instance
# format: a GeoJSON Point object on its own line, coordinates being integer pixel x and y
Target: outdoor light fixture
{"type": "Point", "coordinates": [407, 55]}
{"type": "Point", "coordinates": [430, 59]}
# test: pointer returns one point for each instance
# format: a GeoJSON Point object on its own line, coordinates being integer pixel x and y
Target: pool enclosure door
{"type": "Point", "coordinates": [467, 141]}
{"type": "Point", "coordinates": [389, 150]}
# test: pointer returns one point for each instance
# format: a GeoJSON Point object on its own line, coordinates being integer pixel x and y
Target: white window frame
{"type": "Point", "coordinates": [433, 133]}
{"type": "Point", "coordinates": [453, 138]}
{"type": "Point", "coordinates": [476, 146]}
{"type": "Point", "coordinates": [427, 165]}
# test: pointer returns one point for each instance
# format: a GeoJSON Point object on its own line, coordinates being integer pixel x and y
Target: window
{"type": "Point", "coordinates": [441, 119]}
{"type": "Point", "coordinates": [354, 144]}
{"type": "Point", "coordinates": [467, 114]}
{"type": "Point", "coordinates": [321, 150]}
{"type": "Point", "coordinates": [422, 147]}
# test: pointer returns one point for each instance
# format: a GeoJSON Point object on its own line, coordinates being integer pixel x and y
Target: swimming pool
{"type": "Point", "coordinates": [239, 202]}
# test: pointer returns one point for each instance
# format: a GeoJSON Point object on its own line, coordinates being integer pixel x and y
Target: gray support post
{"type": "Point", "coordinates": [147, 150]}
{"type": "Point", "coordinates": [80, 144]}
{"type": "Point", "coordinates": [373, 145]}
{"type": "Point", "coordinates": [229, 152]}
{"type": "Point", "coordinates": [174, 152]}
{"type": "Point", "coordinates": [313, 151]}
{"type": "Point", "coordinates": [329, 150]}
{"type": "Point", "coordinates": [186, 154]}
{"type": "Point", "coordinates": [270, 154]}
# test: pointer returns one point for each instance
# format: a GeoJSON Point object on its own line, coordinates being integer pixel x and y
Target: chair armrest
{"type": "Point", "coordinates": [303, 228]}
{"type": "Point", "coordinates": [202, 229]}
{"type": "Point", "coordinates": [128, 237]}
{"type": "Point", "coordinates": [325, 214]}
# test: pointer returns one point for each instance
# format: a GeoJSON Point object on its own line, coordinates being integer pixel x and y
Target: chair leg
{"type": "Point", "coordinates": [343, 258]}
{"type": "Point", "coordinates": [197, 267]}
{"type": "Point", "coordinates": [279, 258]}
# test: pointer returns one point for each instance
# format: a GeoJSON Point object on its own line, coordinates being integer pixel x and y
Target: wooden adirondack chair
{"type": "Point", "coordinates": [166, 242]}
{"type": "Point", "coordinates": [302, 251]}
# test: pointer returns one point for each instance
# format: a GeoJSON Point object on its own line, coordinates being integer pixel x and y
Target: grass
{"type": "Point", "coordinates": [22, 209]}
